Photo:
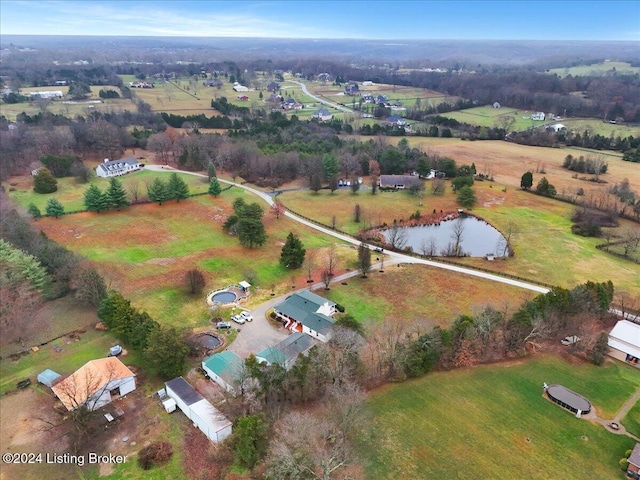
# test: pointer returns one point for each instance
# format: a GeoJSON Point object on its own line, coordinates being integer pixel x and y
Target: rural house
{"type": "Point", "coordinates": [115, 168]}
{"type": "Point", "coordinates": [397, 181]}
{"type": "Point", "coordinates": [322, 114]}
{"type": "Point", "coordinates": [352, 89]}
{"type": "Point", "coordinates": [496, 105]}
{"type": "Point", "coordinates": [308, 313]}
{"type": "Point", "coordinates": [273, 87]}
{"type": "Point", "coordinates": [540, 116]}
{"type": "Point", "coordinates": [633, 470]}
{"type": "Point", "coordinates": [624, 342]}
{"type": "Point", "coordinates": [396, 120]}
{"type": "Point", "coordinates": [96, 384]}
{"type": "Point", "coordinates": [198, 409]}
{"type": "Point", "coordinates": [291, 104]}
{"type": "Point", "coordinates": [243, 98]}
{"type": "Point", "coordinates": [240, 88]}
{"type": "Point", "coordinates": [286, 352]}
{"type": "Point", "coordinates": [226, 369]}
{"type": "Point", "coordinates": [556, 127]}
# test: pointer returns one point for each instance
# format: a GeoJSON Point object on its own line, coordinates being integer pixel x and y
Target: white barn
{"type": "Point", "coordinates": [624, 342]}
{"type": "Point", "coordinates": [96, 384]}
{"type": "Point", "coordinates": [115, 168]}
{"type": "Point", "coordinates": [198, 409]}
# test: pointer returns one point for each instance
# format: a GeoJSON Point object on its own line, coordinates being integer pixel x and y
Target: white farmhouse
{"type": "Point", "coordinates": [115, 168]}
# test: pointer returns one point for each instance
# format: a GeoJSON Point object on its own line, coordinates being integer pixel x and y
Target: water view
{"type": "Point", "coordinates": [467, 235]}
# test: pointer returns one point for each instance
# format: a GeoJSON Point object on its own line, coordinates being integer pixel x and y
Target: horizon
{"type": "Point", "coordinates": [404, 20]}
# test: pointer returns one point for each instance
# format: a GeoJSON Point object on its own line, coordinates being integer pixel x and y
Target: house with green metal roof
{"type": "Point", "coordinates": [286, 352]}
{"type": "Point", "coordinates": [308, 313]}
{"type": "Point", "coordinates": [226, 369]}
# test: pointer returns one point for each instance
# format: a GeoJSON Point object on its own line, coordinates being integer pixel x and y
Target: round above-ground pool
{"type": "Point", "coordinates": [222, 297]}
{"type": "Point", "coordinates": [568, 399]}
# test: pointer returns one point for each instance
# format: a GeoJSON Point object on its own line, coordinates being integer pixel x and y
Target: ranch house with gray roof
{"type": "Point", "coordinates": [308, 313]}
{"type": "Point", "coordinates": [286, 352]}
{"type": "Point", "coordinates": [115, 168]}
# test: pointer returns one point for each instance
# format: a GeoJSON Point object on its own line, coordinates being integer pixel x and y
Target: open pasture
{"type": "Point", "coordinates": [444, 423]}
{"type": "Point", "coordinates": [596, 70]}
{"type": "Point", "coordinates": [488, 116]}
{"type": "Point", "coordinates": [145, 250]}
{"type": "Point", "coordinates": [426, 295]}
{"type": "Point", "coordinates": [542, 225]}
{"type": "Point", "coordinates": [595, 127]}
{"type": "Point", "coordinates": [69, 108]}
{"type": "Point", "coordinates": [71, 193]}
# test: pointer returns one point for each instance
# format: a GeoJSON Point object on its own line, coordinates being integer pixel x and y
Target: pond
{"type": "Point", "coordinates": [208, 340]}
{"type": "Point", "coordinates": [476, 238]}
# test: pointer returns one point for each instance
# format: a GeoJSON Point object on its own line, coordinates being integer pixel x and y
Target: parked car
{"type": "Point", "coordinates": [115, 351]}
{"type": "Point", "coordinates": [247, 316]}
{"type": "Point", "coordinates": [571, 340]}
{"type": "Point", "coordinates": [221, 325]}
{"type": "Point", "coordinates": [378, 250]}
{"type": "Point", "coordinates": [238, 319]}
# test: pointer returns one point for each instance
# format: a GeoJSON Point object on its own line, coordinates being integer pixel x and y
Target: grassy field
{"type": "Point", "coordinates": [146, 249]}
{"type": "Point", "coordinates": [596, 70]}
{"type": "Point", "coordinates": [543, 230]}
{"type": "Point", "coordinates": [69, 109]}
{"type": "Point", "coordinates": [71, 193]}
{"type": "Point", "coordinates": [580, 125]}
{"type": "Point", "coordinates": [631, 421]}
{"type": "Point", "coordinates": [493, 421]}
{"type": "Point", "coordinates": [488, 117]}
{"type": "Point", "coordinates": [431, 295]}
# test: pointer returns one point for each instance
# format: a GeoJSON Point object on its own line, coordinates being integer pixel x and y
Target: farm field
{"type": "Point", "coordinates": [146, 249]}
{"type": "Point", "coordinates": [430, 295]}
{"type": "Point", "coordinates": [597, 69]}
{"type": "Point", "coordinates": [487, 116]}
{"type": "Point", "coordinates": [71, 109]}
{"type": "Point", "coordinates": [580, 125]}
{"type": "Point", "coordinates": [445, 423]}
{"type": "Point", "coordinates": [543, 227]}
{"type": "Point", "coordinates": [71, 193]}
{"type": "Point", "coordinates": [508, 161]}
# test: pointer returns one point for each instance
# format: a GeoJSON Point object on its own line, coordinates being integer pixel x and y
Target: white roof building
{"type": "Point", "coordinates": [115, 168]}
{"type": "Point", "coordinates": [624, 342]}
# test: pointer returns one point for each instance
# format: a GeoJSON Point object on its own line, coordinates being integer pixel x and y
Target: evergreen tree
{"type": "Point", "coordinates": [34, 211]}
{"type": "Point", "coordinates": [467, 197]}
{"type": "Point", "coordinates": [177, 188]}
{"type": "Point", "coordinates": [44, 181]}
{"type": "Point", "coordinates": [211, 171]}
{"type": "Point", "coordinates": [54, 208]}
{"type": "Point", "coordinates": [116, 196]}
{"type": "Point", "coordinates": [292, 255]}
{"type": "Point", "coordinates": [94, 199]}
{"type": "Point", "coordinates": [330, 166]}
{"type": "Point", "coordinates": [251, 232]}
{"type": "Point", "coordinates": [364, 259]}
{"type": "Point", "coordinates": [214, 187]}
{"type": "Point", "coordinates": [316, 185]}
{"type": "Point", "coordinates": [166, 351]}
{"type": "Point", "coordinates": [526, 181]}
{"type": "Point", "coordinates": [250, 440]}
{"type": "Point", "coordinates": [545, 188]}
{"type": "Point", "coordinates": [157, 191]}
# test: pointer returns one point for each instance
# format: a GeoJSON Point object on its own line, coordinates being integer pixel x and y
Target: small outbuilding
{"type": "Point", "coordinates": [624, 342]}
{"type": "Point", "coordinates": [198, 409]}
{"type": "Point", "coordinates": [226, 369]}
{"type": "Point", "coordinates": [48, 378]}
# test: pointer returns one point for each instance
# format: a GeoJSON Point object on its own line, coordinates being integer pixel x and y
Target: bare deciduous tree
{"type": "Point", "coordinates": [397, 236]}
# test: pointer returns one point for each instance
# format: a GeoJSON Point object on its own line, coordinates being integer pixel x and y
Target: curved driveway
{"type": "Point", "coordinates": [394, 256]}
{"type": "Point", "coordinates": [326, 102]}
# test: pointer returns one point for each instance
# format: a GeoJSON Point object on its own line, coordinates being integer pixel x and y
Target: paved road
{"type": "Point", "coordinates": [321, 100]}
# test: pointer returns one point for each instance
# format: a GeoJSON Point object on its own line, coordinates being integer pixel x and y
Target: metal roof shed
{"type": "Point", "coordinates": [48, 377]}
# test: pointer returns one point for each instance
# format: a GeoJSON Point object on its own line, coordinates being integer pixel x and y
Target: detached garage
{"type": "Point", "coordinates": [203, 415]}
{"type": "Point", "coordinates": [624, 342]}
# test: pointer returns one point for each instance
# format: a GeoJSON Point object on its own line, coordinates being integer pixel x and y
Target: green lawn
{"type": "Point", "coordinates": [595, 126]}
{"type": "Point", "coordinates": [488, 117]}
{"type": "Point", "coordinates": [71, 193]}
{"type": "Point", "coordinates": [631, 421]}
{"type": "Point", "coordinates": [597, 69]}
{"type": "Point", "coordinates": [447, 424]}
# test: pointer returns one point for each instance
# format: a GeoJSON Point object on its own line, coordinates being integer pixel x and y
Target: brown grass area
{"type": "Point", "coordinates": [508, 161]}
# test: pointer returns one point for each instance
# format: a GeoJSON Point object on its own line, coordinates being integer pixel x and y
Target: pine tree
{"type": "Point", "coordinates": [157, 191]}
{"type": "Point", "coordinates": [292, 255]}
{"type": "Point", "coordinates": [116, 196]}
{"type": "Point", "coordinates": [214, 187]}
{"type": "Point", "coordinates": [94, 199]}
{"type": "Point", "coordinates": [251, 232]}
{"type": "Point", "coordinates": [44, 181]}
{"type": "Point", "coordinates": [34, 211]}
{"type": "Point", "coordinates": [177, 188]}
{"type": "Point", "coordinates": [211, 171]}
{"type": "Point", "coordinates": [54, 208]}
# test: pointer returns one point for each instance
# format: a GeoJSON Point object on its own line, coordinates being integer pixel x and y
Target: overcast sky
{"type": "Point", "coordinates": [372, 19]}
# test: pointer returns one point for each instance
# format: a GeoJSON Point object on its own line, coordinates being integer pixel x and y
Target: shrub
{"type": "Point", "coordinates": [624, 464]}
{"type": "Point", "coordinates": [586, 229]}
{"type": "Point", "coordinates": [158, 453]}
{"type": "Point", "coordinates": [44, 182]}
